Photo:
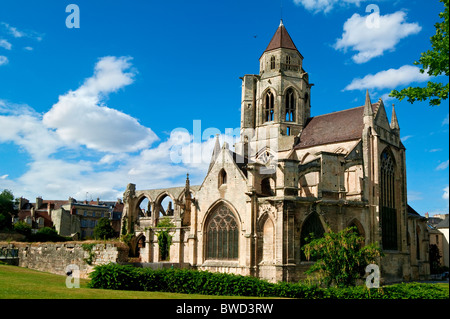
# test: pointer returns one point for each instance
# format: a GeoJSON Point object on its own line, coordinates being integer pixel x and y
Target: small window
{"type": "Point", "coordinates": [288, 131]}
{"type": "Point", "coordinates": [288, 59]}
{"type": "Point", "coordinates": [222, 177]}
{"type": "Point", "coordinates": [272, 62]}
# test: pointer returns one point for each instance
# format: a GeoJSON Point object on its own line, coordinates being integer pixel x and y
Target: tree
{"type": "Point", "coordinates": [435, 62]}
{"type": "Point", "coordinates": [341, 257]}
{"type": "Point", "coordinates": [103, 229]}
{"type": "Point", "coordinates": [6, 209]}
{"type": "Point", "coordinates": [164, 237]}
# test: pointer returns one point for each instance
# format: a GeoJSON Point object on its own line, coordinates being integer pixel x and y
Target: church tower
{"type": "Point", "coordinates": [275, 104]}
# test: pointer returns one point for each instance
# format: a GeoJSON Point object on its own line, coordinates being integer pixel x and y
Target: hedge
{"type": "Point", "coordinates": [127, 277]}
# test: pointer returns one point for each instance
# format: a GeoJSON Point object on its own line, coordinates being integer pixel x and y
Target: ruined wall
{"type": "Point", "coordinates": [55, 257]}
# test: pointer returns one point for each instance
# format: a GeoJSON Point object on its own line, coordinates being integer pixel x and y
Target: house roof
{"type": "Point", "coordinates": [443, 224]}
{"type": "Point", "coordinates": [333, 127]}
{"type": "Point", "coordinates": [281, 39]}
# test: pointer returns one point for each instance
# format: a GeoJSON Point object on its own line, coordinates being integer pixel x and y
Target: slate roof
{"type": "Point", "coordinates": [443, 224]}
{"type": "Point", "coordinates": [333, 127]}
{"type": "Point", "coordinates": [281, 39]}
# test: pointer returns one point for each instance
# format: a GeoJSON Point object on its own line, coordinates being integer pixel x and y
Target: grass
{"type": "Point", "coordinates": [24, 283]}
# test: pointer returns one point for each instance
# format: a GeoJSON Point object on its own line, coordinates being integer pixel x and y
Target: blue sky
{"type": "Point", "coordinates": [136, 92]}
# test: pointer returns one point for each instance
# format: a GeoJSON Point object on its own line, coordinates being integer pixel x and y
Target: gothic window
{"type": "Point", "coordinates": [387, 201]}
{"type": "Point", "coordinates": [290, 105]}
{"type": "Point", "coordinates": [269, 109]}
{"type": "Point", "coordinates": [311, 228]}
{"type": "Point", "coordinates": [272, 62]}
{"type": "Point", "coordinates": [288, 59]}
{"type": "Point", "coordinates": [222, 235]}
{"type": "Point", "coordinates": [222, 177]}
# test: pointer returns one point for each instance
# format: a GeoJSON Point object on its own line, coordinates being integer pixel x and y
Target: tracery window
{"type": "Point", "coordinates": [387, 201]}
{"type": "Point", "coordinates": [222, 235]}
{"type": "Point", "coordinates": [290, 106]}
{"type": "Point", "coordinates": [269, 107]}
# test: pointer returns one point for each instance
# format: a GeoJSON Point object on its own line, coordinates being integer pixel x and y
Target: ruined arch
{"type": "Point", "coordinates": [146, 209]}
{"type": "Point", "coordinates": [164, 205]}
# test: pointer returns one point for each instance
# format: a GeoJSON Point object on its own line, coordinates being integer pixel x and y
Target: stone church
{"type": "Point", "coordinates": [289, 175]}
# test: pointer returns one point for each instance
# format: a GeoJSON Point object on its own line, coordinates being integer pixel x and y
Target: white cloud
{"type": "Point", "coordinates": [389, 79]}
{"type": "Point", "coordinates": [16, 33]}
{"type": "Point", "coordinates": [445, 121]}
{"type": "Point", "coordinates": [28, 48]}
{"type": "Point", "coordinates": [81, 116]}
{"type": "Point", "coordinates": [23, 126]}
{"type": "Point", "coordinates": [446, 193]}
{"type": "Point", "coordinates": [442, 166]}
{"type": "Point", "coordinates": [325, 5]}
{"type": "Point", "coordinates": [65, 163]}
{"type": "Point", "coordinates": [371, 40]}
{"type": "Point", "coordinates": [5, 44]}
{"type": "Point", "coordinates": [407, 137]}
{"type": "Point", "coordinates": [3, 60]}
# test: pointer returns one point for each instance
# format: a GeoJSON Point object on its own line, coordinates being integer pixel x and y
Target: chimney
{"type": "Point", "coordinates": [38, 202]}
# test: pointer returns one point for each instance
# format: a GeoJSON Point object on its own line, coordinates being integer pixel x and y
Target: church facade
{"type": "Point", "coordinates": [289, 175]}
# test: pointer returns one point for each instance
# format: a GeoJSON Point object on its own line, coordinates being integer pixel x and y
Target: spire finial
{"type": "Point", "coordinates": [368, 105]}
{"type": "Point", "coordinates": [394, 122]}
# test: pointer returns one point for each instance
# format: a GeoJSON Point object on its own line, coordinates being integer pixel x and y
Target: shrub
{"type": "Point", "coordinates": [114, 276]}
{"type": "Point", "coordinates": [46, 234]}
{"type": "Point", "coordinates": [22, 228]}
{"type": "Point", "coordinates": [341, 257]}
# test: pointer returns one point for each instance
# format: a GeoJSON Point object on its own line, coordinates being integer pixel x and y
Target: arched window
{"type": "Point", "coordinates": [272, 62]}
{"type": "Point", "coordinates": [312, 227]}
{"type": "Point", "coordinates": [290, 105]}
{"type": "Point", "coordinates": [222, 177]}
{"type": "Point", "coordinates": [269, 110]}
{"type": "Point", "coordinates": [222, 235]}
{"type": "Point", "coordinates": [387, 201]}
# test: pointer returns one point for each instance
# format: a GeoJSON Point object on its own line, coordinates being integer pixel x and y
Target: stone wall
{"type": "Point", "coordinates": [56, 257]}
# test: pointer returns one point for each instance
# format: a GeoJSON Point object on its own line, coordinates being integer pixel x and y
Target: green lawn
{"type": "Point", "coordinates": [23, 283]}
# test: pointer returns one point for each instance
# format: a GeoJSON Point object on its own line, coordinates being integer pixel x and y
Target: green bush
{"type": "Point", "coordinates": [46, 234]}
{"type": "Point", "coordinates": [127, 277]}
{"type": "Point", "coordinates": [22, 228]}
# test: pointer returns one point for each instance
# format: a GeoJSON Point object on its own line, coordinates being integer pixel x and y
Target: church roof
{"type": "Point", "coordinates": [333, 127]}
{"type": "Point", "coordinates": [281, 39]}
